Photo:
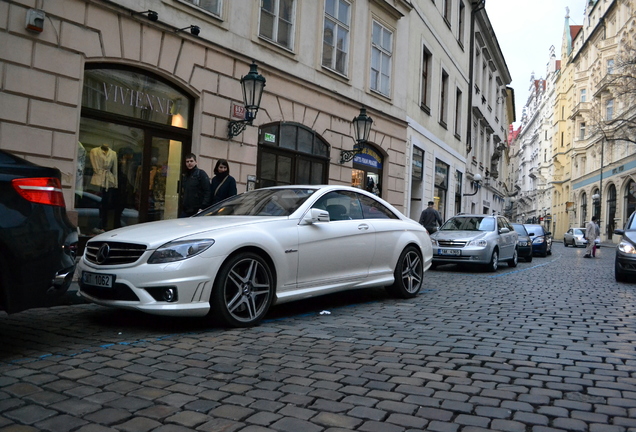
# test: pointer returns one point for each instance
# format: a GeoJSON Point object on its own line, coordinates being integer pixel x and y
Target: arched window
{"type": "Point", "coordinates": [611, 210]}
{"type": "Point", "coordinates": [630, 199]}
{"type": "Point", "coordinates": [290, 153]}
{"type": "Point", "coordinates": [583, 209]}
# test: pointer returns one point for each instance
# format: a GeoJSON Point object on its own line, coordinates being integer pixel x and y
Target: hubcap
{"type": "Point", "coordinates": [411, 272]}
{"type": "Point", "coordinates": [247, 290]}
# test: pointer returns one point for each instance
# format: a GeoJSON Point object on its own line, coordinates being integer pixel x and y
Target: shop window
{"type": "Point", "coordinates": [367, 170]}
{"type": "Point", "coordinates": [290, 153]}
{"type": "Point", "coordinates": [133, 133]}
{"type": "Point", "coordinates": [441, 187]}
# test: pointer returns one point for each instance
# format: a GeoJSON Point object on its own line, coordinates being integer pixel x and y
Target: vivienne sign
{"type": "Point", "coordinates": [137, 95]}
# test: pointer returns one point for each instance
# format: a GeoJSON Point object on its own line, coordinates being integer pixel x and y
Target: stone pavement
{"type": "Point", "coordinates": [547, 346]}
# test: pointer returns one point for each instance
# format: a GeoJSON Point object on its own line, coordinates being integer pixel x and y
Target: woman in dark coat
{"type": "Point", "coordinates": [223, 184]}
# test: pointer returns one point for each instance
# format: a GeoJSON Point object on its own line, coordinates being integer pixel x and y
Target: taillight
{"type": "Point", "coordinates": [40, 190]}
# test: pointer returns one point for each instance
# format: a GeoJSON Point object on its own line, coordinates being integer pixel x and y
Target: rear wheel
{"type": "Point", "coordinates": [494, 262]}
{"type": "Point", "coordinates": [409, 274]}
{"type": "Point", "coordinates": [243, 291]}
{"type": "Point", "coordinates": [515, 259]}
{"type": "Point", "coordinates": [565, 243]}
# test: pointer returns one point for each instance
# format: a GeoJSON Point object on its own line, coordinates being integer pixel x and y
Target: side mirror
{"type": "Point", "coordinates": [619, 231]}
{"type": "Point", "coordinates": [530, 234]}
{"type": "Point", "coordinates": [504, 231]}
{"type": "Point", "coordinates": [315, 215]}
{"type": "Point", "coordinates": [548, 233]}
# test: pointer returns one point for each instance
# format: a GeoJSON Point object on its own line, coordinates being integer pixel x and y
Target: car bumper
{"type": "Point", "coordinates": [142, 286]}
{"type": "Point", "coordinates": [467, 255]}
{"type": "Point", "coordinates": [524, 251]}
{"type": "Point", "coordinates": [626, 263]}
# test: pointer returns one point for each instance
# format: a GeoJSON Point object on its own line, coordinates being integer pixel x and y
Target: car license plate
{"type": "Point", "coordinates": [98, 279]}
{"type": "Point", "coordinates": [449, 252]}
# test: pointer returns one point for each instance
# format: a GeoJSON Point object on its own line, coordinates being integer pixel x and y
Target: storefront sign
{"type": "Point", "coordinates": [368, 157]}
{"type": "Point", "coordinates": [138, 99]}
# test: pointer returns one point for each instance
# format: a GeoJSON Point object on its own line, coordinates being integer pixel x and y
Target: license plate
{"type": "Point", "coordinates": [98, 279]}
{"type": "Point", "coordinates": [453, 252]}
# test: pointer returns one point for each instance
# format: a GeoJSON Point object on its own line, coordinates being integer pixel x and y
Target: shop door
{"type": "Point", "coordinates": [162, 178]}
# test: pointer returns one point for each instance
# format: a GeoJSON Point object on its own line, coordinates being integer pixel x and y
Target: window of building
{"type": "Point", "coordinates": [448, 7]}
{"type": "Point", "coordinates": [417, 165]}
{"type": "Point", "coordinates": [381, 56]}
{"type": "Point", "coordinates": [277, 22]}
{"type": "Point", "coordinates": [609, 110]}
{"type": "Point", "coordinates": [458, 113]}
{"type": "Point", "coordinates": [441, 187]}
{"type": "Point", "coordinates": [583, 95]}
{"type": "Point", "coordinates": [289, 153]}
{"type": "Point", "coordinates": [630, 199]}
{"type": "Point", "coordinates": [335, 45]}
{"type": "Point", "coordinates": [458, 191]}
{"type": "Point", "coordinates": [443, 99]}
{"type": "Point", "coordinates": [212, 6]}
{"type": "Point", "coordinates": [596, 210]}
{"type": "Point", "coordinates": [425, 103]}
{"type": "Point", "coordinates": [611, 210]}
{"type": "Point", "coordinates": [610, 66]}
{"type": "Point", "coordinates": [582, 131]}
{"type": "Point", "coordinates": [583, 220]}
{"type": "Point", "coordinates": [461, 22]}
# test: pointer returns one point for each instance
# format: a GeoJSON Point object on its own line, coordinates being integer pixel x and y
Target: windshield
{"type": "Point", "coordinates": [520, 229]}
{"type": "Point", "coordinates": [469, 223]}
{"type": "Point", "coordinates": [261, 202]}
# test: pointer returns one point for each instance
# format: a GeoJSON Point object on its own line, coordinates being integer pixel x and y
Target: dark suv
{"type": "Point", "coordinates": [37, 241]}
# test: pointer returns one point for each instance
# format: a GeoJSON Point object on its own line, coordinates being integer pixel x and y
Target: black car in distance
{"type": "Point", "coordinates": [37, 241]}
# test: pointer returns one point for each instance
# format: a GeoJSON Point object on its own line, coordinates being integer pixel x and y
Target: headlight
{"type": "Point", "coordinates": [538, 240]}
{"type": "Point", "coordinates": [179, 250]}
{"type": "Point", "coordinates": [478, 243]}
{"type": "Point", "coordinates": [434, 242]}
{"type": "Point", "coordinates": [523, 243]}
{"type": "Point", "coordinates": [626, 247]}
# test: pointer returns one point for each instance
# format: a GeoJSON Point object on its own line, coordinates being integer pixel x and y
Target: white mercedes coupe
{"type": "Point", "coordinates": [233, 260]}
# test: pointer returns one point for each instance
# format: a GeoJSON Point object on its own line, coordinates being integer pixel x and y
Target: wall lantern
{"type": "Point", "coordinates": [195, 30]}
{"type": "Point", "coordinates": [476, 185]}
{"type": "Point", "coordinates": [152, 15]}
{"type": "Point", "coordinates": [252, 84]}
{"type": "Point", "coordinates": [596, 197]}
{"type": "Point", "coordinates": [362, 126]}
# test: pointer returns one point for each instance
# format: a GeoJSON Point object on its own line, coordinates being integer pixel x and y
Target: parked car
{"type": "Point", "coordinates": [37, 240]}
{"type": "Point", "coordinates": [541, 239]}
{"type": "Point", "coordinates": [524, 243]}
{"type": "Point", "coordinates": [271, 245]}
{"type": "Point", "coordinates": [575, 237]}
{"type": "Point", "coordinates": [625, 259]}
{"type": "Point", "coordinates": [475, 239]}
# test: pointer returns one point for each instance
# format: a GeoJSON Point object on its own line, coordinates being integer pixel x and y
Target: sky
{"type": "Point", "coordinates": [525, 30]}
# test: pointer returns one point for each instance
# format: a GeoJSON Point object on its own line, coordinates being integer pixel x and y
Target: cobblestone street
{"type": "Point", "coordinates": [547, 346]}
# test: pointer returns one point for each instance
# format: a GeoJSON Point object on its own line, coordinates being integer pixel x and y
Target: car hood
{"type": "Point", "coordinates": [459, 235]}
{"type": "Point", "coordinates": [155, 234]}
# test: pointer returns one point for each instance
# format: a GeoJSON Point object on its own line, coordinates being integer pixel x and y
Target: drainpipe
{"type": "Point", "coordinates": [477, 5]}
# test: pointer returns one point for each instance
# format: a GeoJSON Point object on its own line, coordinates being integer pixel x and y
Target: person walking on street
{"type": "Point", "coordinates": [195, 188]}
{"type": "Point", "coordinates": [430, 218]}
{"type": "Point", "coordinates": [591, 232]}
{"type": "Point", "coordinates": [223, 184]}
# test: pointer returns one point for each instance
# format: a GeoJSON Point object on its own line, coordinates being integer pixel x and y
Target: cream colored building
{"type": "Point", "coordinates": [458, 110]}
{"type": "Point", "coordinates": [151, 81]}
{"type": "Point", "coordinates": [603, 164]}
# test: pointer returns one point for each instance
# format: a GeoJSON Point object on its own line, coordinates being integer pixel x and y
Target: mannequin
{"type": "Point", "coordinates": [104, 162]}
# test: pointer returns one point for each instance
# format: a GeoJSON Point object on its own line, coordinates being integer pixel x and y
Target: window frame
{"type": "Point", "coordinates": [338, 26]}
{"type": "Point", "coordinates": [425, 96]}
{"type": "Point", "coordinates": [276, 23]}
{"type": "Point", "coordinates": [443, 103]}
{"type": "Point", "coordinates": [376, 84]}
{"type": "Point", "coordinates": [194, 3]}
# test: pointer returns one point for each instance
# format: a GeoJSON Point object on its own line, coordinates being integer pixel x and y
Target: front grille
{"type": "Point", "coordinates": [118, 292]}
{"type": "Point", "coordinates": [451, 243]}
{"type": "Point", "coordinates": [114, 253]}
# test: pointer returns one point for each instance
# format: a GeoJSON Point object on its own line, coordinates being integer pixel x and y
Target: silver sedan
{"type": "Point", "coordinates": [575, 237]}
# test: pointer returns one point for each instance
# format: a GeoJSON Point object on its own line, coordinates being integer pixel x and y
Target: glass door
{"type": "Point", "coordinates": [163, 178]}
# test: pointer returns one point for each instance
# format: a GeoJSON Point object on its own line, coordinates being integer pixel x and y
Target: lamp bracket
{"type": "Point", "coordinates": [235, 127]}
{"type": "Point", "coordinates": [348, 155]}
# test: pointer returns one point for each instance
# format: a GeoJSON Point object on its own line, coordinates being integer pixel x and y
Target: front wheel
{"type": "Point", "coordinates": [494, 262]}
{"type": "Point", "coordinates": [565, 243]}
{"type": "Point", "coordinates": [514, 260]}
{"type": "Point", "coordinates": [409, 274]}
{"type": "Point", "coordinates": [243, 291]}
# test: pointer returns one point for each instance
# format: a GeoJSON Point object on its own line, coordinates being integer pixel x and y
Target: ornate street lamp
{"type": "Point", "coordinates": [252, 84]}
{"type": "Point", "coordinates": [476, 184]}
{"type": "Point", "coordinates": [362, 126]}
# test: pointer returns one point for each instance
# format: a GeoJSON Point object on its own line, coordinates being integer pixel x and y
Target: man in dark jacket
{"type": "Point", "coordinates": [430, 218]}
{"type": "Point", "coordinates": [195, 188]}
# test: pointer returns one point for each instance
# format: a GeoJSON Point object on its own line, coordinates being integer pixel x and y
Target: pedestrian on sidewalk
{"type": "Point", "coordinates": [430, 218]}
{"type": "Point", "coordinates": [195, 188]}
{"type": "Point", "coordinates": [591, 232]}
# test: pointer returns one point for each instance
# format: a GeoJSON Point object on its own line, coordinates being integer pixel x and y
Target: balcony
{"type": "Point", "coordinates": [580, 109]}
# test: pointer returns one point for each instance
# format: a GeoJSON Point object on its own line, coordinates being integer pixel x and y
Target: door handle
{"type": "Point", "coordinates": [363, 227]}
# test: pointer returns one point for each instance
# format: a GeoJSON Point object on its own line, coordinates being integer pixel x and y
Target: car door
{"type": "Point", "coordinates": [507, 240]}
{"type": "Point", "coordinates": [337, 252]}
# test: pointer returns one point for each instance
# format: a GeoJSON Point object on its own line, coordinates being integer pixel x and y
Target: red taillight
{"type": "Point", "coordinates": [41, 190]}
